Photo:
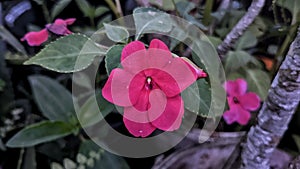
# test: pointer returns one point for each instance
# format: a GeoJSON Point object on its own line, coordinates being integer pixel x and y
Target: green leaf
{"type": "Point", "coordinates": [235, 60]}
{"type": "Point", "coordinates": [166, 5]}
{"type": "Point", "coordinates": [85, 7]}
{"type": "Point", "coordinates": [58, 7]}
{"type": "Point", "coordinates": [88, 113]}
{"type": "Point", "coordinates": [197, 98]}
{"type": "Point", "coordinates": [293, 6]}
{"type": "Point", "coordinates": [116, 33]}
{"type": "Point", "coordinates": [151, 20]}
{"type": "Point", "coordinates": [248, 40]}
{"type": "Point", "coordinates": [9, 38]}
{"type": "Point", "coordinates": [113, 58]}
{"type": "Point", "coordinates": [105, 19]}
{"type": "Point", "coordinates": [184, 8]}
{"type": "Point", "coordinates": [106, 160]}
{"type": "Point", "coordinates": [258, 82]}
{"type": "Point", "coordinates": [40, 133]}
{"type": "Point", "coordinates": [68, 54]}
{"type": "Point", "coordinates": [101, 10]}
{"type": "Point", "coordinates": [2, 84]}
{"type": "Point", "coordinates": [54, 101]}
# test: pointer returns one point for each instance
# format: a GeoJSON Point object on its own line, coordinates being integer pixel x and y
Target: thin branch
{"type": "Point", "coordinates": [240, 27]}
{"type": "Point", "coordinates": [276, 112]}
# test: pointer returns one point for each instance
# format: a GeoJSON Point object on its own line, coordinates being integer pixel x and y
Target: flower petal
{"type": "Point", "coordinates": [164, 81]}
{"type": "Point", "coordinates": [249, 101]}
{"type": "Point", "coordinates": [198, 73]}
{"type": "Point", "coordinates": [116, 89]}
{"type": "Point", "coordinates": [139, 129]}
{"type": "Point", "coordinates": [36, 38]}
{"type": "Point", "coordinates": [235, 88]}
{"type": "Point", "coordinates": [237, 114]}
{"type": "Point", "coordinates": [131, 48]}
{"type": "Point", "coordinates": [181, 73]}
{"type": "Point", "coordinates": [70, 21]}
{"type": "Point", "coordinates": [158, 44]}
{"type": "Point", "coordinates": [171, 117]}
{"type": "Point", "coordinates": [138, 94]}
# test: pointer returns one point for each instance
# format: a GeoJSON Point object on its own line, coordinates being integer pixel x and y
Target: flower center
{"type": "Point", "coordinates": [149, 84]}
{"type": "Point", "coordinates": [235, 100]}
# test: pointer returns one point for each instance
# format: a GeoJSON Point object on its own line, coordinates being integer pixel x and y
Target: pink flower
{"type": "Point", "coordinates": [148, 86]}
{"type": "Point", "coordinates": [59, 26]}
{"type": "Point", "coordinates": [240, 102]}
{"type": "Point", "coordinates": [36, 38]}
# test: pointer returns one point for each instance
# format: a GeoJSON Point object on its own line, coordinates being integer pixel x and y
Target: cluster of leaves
{"type": "Point", "coordinates": [66, 55]}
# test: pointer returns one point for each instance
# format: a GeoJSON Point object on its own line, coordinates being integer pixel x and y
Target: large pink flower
{"type": "Point", "coordinates": [148, 86]}
{"type": "Point", "coordinates": [240, 102]}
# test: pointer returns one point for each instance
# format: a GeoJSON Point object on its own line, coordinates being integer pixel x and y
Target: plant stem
{"type": "Point", "coordinates": [207, 12]}
{"type": "Point", "coordinates": [276, 112]}
{"type": "Point", "coordinates": [113, 7]}
{"type": "Point", "coordinates": [240, 27]}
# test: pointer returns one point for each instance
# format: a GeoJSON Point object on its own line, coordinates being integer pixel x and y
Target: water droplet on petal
{"type": "Point", "coordinates": [169, 61]}
{"type": "Point", "coordinates": [140, 131]}
{"type": "Point", "coordinates": [160, 22]}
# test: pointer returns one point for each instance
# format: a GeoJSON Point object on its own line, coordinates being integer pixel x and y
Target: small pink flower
{"type": "Point", "coordinates": [240, 102]}
{"type": "Point", "coordinates": [36, 38]}
{"type": "Point", "coordinates": [148, 86]}
{"type": "Point", "coordinates": [59, 26]}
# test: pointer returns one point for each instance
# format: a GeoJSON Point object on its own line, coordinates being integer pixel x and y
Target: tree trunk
{"type": "Point", "coordinates": [276, 112]}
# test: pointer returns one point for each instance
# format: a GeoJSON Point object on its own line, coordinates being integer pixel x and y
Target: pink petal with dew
{"type": "Point", "coordinates": [181, 73]}
{"type": "Point", "coordinates": [131, 48]}
{"type": "Point", "coordinates": [36, 38]}
{"type": "Point", "coordinates": [235, 88]}
{"type": "Point", "coordinates": [249, 101]}
{"type": "Point", "coordinates": [164, 81]}
{"type": "Point", "coordinates": [116, 88]}
{"type": "Point", "coordinates": [170, 119]}
{"type": "Point", "coordinates": [139, 129]}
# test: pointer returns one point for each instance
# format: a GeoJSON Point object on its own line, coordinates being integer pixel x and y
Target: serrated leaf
{"type": "Point", "coordinates": [258, 82]}
{"type": "Point", "coordinates": [235, 60]}
{"type": "Point", "coordinates": [197, 98]}
{"type": "Point", "coordinates": [105, 19]}
{"type": "Point", "coordinates": [54, 101]}
{"type": "Point", "coordinates": [70, 53]}
{"type": "Point", "coordinates": [58, 7]}
{"type": "Point", "coordinates": [101, 10]}
{"type": "Point", "coordinates": [39, 133]}
{"type": "Point", "coordinates": [88, 113]}
{"type": "Point", "coordinates": [151, 20]}
{"type": "Point", "coordinates": [113, 58]}
{"type": "Point", "coordinates": [116, 33]}
{"type": "Point", "coordinates": [247, 40]}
